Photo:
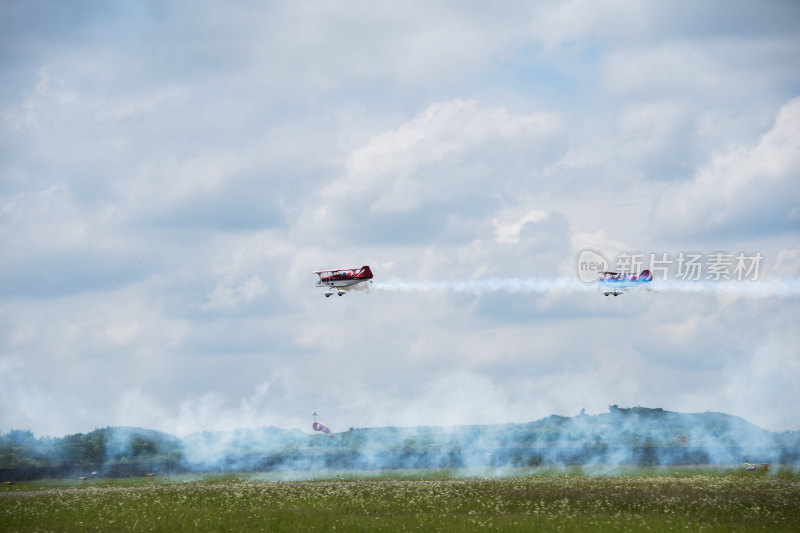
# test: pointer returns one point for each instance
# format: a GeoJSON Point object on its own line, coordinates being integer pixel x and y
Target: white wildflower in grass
{"type": "Point", "coordinates": [670, 502]}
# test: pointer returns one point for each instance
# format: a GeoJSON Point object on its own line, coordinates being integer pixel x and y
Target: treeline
{"type": "Point", "coordinates": [623, 436]}
{"type": "Point", "coordinates": [116, 451]}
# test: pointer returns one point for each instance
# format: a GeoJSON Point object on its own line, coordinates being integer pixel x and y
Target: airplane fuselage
{"type": "Point", "coordinates": [339, 282]}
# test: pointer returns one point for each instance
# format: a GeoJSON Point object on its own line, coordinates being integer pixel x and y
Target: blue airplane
{"type": "Point", "coordinates": [616, 283]}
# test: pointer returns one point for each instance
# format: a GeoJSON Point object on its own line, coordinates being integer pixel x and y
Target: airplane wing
{"type": "Point", "coordinates": [364, 272]}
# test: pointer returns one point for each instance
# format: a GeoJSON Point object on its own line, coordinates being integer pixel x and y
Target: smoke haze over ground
{"type": "Point", "coordinates": [623, 437]}
{"type": "Point", "coordinates": [170, 179]}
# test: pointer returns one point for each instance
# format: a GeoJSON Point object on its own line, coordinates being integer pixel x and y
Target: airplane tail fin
{"type": "Point", "coordinates": [646, 275]}
{"type": "Point", "coordinates": [366, 272]}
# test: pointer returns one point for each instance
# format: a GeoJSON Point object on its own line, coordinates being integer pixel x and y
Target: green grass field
{"type": "Point", "coordinates": [638, 500]}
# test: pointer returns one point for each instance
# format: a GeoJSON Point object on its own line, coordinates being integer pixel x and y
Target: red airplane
{"type": "Point", "coordinates": [341, 278]}
{"type": "Point", "coordinates": [316, 426]}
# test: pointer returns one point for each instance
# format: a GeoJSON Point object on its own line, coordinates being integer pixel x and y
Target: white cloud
{"type": "Point", "coordinates": [566, 25]}
{"type": "Point", "coordinates": [133, 106]}
{"type": "Point", "coordinates": [787, 263]}
{"type": "Point", "coordinates": [164, 200]}
{"type": "Point", "coordinates": [668, 68]}
{"type": "Point", "coordinates": [49, 98]}
{"type": "Point", "coordinates": [721, 70]}
{"type": "Point", "coordinates": [559, 24]}
{"type": "Point", "coordinates": [763, 380]}
{"type": "Point", "coordinates": [387, 167]}
{"type": "Point", "coordinates": [509, 232]}
{"type": "Point", "coordinates": [436, 175]}
{"type": "Point", "coordinates": [229, 297]}
{"type": "Point", "coordinates": [401, 44]}
{"type": "Point", "coordinates": [751, 188]}
{"type": "Point", "coordinates": [44, 218]}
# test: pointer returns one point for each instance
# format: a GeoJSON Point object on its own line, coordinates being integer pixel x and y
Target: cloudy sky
{"type": "Point", "coordinates": [172, 172]}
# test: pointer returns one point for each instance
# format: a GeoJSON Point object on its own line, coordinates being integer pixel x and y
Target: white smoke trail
{"type": "Point", "coordinates": [481, 286]}
{"type": "Point", "coordinates": [782, 288]}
